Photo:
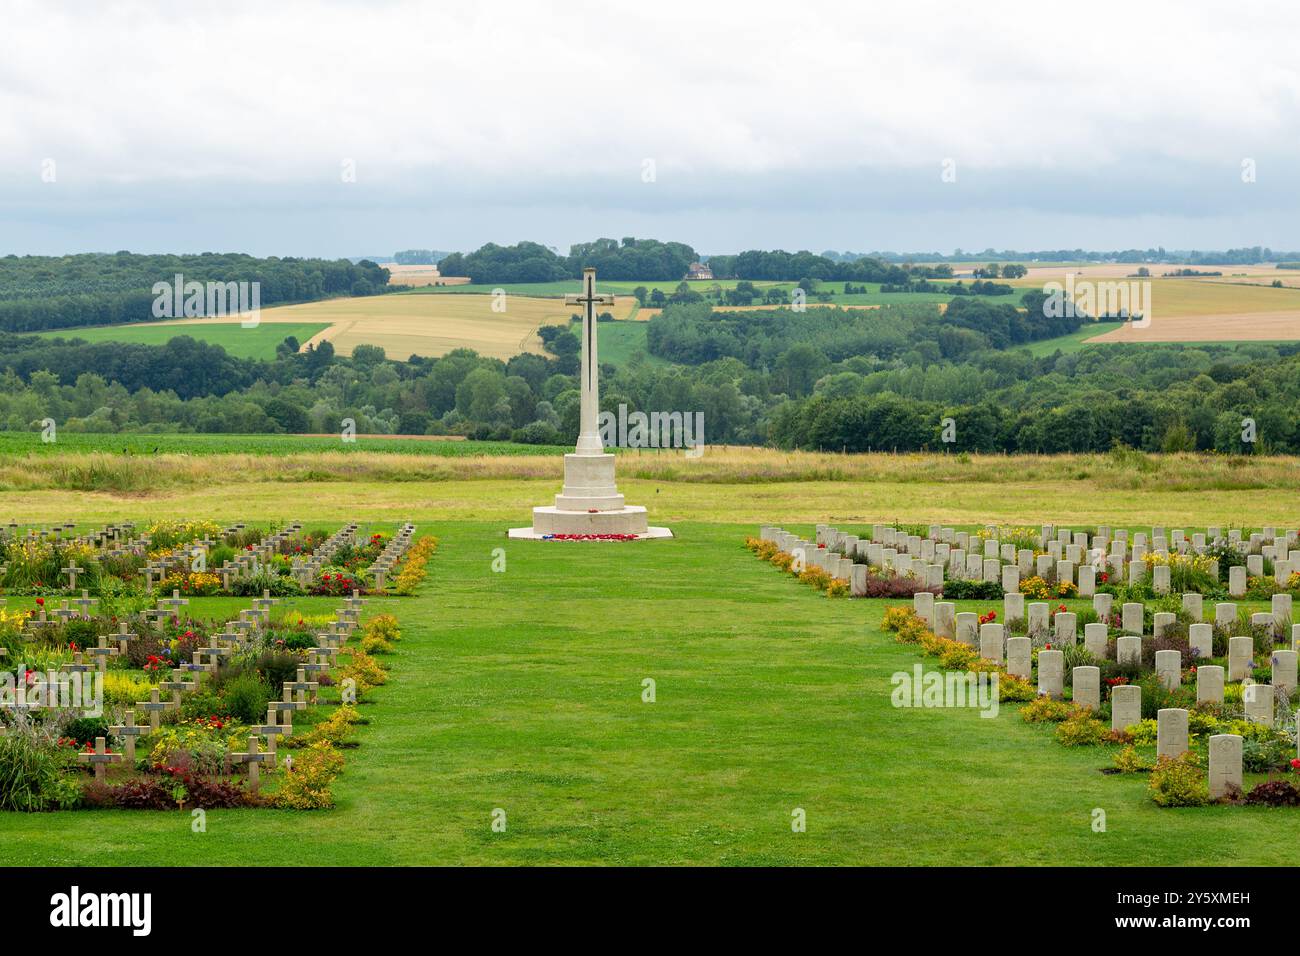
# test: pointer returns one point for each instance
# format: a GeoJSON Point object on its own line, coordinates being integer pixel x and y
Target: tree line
{"type": "Point", "coordinates": [57, 292]}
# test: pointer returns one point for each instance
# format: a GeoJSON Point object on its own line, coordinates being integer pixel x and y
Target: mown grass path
{"type": "Point", "coordinates": [522, 691]}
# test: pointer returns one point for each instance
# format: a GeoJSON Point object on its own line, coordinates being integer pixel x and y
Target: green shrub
{"type": "Point", "coordinates": [1081, 731]}
{"type": "Point", "coordinates": [1261, 756]}
{"type": "Point", "coordinates": [1179, 782]}
{"type": "Point", "coordinates": [84, 730]}
{"type": "Point", "coordinates": [245, 697]}
{"type": "Point", "coordinates": [1129, 760]}
{"type": "Point", "coordinates": [1045, 710]}
{"type": "Point", "coordinates": [33, 777]}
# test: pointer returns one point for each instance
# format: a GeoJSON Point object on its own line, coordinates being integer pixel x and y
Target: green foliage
{"type": "Point", "coordinates": [33, 777]}
{"type": "Point", "coordinates": [1179, 782]}
{"type": "Point", "coordinates": [1081, 731]}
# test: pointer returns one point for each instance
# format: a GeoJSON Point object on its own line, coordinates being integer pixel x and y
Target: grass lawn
{"type": "Point", "coordinates": [620, 341]}
{"type": "Point", "coordinates": [29, 443]}
{"type": "Point", "coordinates": [522, 691]}
{"type": "Point", "coordinates": [1073, 342]}
{"type": "Point", "coordinates": [258, 342]}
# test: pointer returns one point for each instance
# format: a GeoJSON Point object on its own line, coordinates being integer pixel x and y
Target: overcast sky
{"type": "Point", "coordinates": [230, 126]}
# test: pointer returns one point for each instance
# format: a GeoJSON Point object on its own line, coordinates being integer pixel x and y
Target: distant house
{"type": "Point", "coordinates": [698, 270]}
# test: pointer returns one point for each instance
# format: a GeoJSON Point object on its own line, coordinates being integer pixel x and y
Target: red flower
{"type": "Point", "coordinates": [1295, 764]}
{"type": "Point", "coordinates": [41, 601]}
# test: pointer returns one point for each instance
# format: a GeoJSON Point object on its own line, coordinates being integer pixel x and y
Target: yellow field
{"type": "Point", "coordinates": [433, 325]}
{"type": "Point", "coordinates": [420, 275]}
{"type": "Point", "coordinates": [1240, 327]}
{"type": "Point", "coordinates": [1238, 306]}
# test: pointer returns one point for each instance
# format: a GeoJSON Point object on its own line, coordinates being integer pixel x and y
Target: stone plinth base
{"type": "Point", "coordinates": [628, 520]}
{"type": "Point", "coordinates": [589, 483]}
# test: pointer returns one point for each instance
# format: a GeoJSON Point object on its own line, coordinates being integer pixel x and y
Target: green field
{"type": "Point", "coordinates": [620, 341]}
{"type": "Point", "coordinates": [258, 342]}
{"type": "Point", "coordinates": [30, 443]}
{"type": "Point", "coordinates": [1074, 341]}
{"type": "Point", "coordinates": [769, 697]}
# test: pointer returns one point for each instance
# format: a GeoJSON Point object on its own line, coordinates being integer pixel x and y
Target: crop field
{"type": "Point", "coordinates": [403, 325]}
{"type": "Point", "coordinates": [29, 443]}
{"type": "Point", "coordinates": [406, 325]}
{"type": "Point", "coordinates": [1281, 326]}
{"type": "Point", "coordinates": [1240, 306]}
{"type": "Point", "coordinates": [258, 342]}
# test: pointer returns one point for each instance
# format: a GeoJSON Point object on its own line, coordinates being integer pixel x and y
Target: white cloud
{"type": "Point", "coordinates": [281, 92]}
{"type": "Point", "coordinates": [539, 102]}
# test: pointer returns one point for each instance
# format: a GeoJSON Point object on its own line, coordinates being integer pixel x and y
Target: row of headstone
{"type": "Point", "coordinates": [1076, 556]}
{"type": "Point", "coordinates": [296, 695]}
{"type": "Point", "coordinates": [308, 570]}
{"type": "Point", "coordinates": [392, 553]}
{"type": "Point", "coordinates": [250, 561]}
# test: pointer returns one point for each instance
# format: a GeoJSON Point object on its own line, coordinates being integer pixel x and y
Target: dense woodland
{"type": "Point", "coordinates": [532, 262]}
{"type": "Point", "coordinates": [828, 378]}
{"type": "Point", "coordinates": [59, 292]}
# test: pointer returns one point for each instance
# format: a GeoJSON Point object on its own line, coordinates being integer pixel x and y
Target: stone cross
{"type": "Point", "coordinates": [100, 759]}
{"type": "Point", "coordinates": [272, 730]}
{"type": "Point", "coordinates": [154, 707]}
{"type": "Point", "coordinates": [85, 602]}
{"type": "Point", "coordinates": [128, 730]}
{"type": "Point", "coordinates": [175, 601]}
{"type": "Point", "coordinates": [253, 757]}
{"type": "Point", "coordinates": [589, 435]}
{"type": "Point", "coordinates": [287, 705]}
{"type": "Point", "coordinates": [301, 686]}
{"type": "Point", "coordinates": [178, 685]}
{"type": "Point", "coordinates": [72, 571]}
{"type": "Point", "coordinates": [103, 652]}
{"type": "Point", "coordinates": [123, 636]}
{"type": "Point", "coordinates": [77, 666]}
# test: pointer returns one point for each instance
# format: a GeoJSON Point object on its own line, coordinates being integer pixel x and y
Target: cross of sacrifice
{"type": "Point", "coordinates": [589, 435]}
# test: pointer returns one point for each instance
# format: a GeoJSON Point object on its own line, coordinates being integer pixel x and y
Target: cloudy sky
{"type": "Point", "coordinates": [343, 128]}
